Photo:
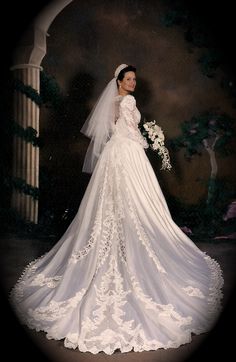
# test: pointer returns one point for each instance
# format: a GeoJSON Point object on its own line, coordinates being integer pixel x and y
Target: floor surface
{"type": "Point", "coordinates": [16, 253]}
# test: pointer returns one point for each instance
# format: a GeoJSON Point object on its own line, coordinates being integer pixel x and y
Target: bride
{"type": "Point", "coordinates": [124, 275]}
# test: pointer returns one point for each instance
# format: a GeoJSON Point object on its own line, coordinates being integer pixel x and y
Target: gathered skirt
{"type": "Point", "coordinates": [124, 275]}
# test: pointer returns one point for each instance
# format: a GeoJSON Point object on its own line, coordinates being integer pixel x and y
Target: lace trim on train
{"type": "Point", "coordinates": [113, 233]}
{"type": "Point", "coordinates": [108, 222]}
{"type": "Point", "coordinates": [111, 297]}
{"type": "Point", "coordinates": [97, 227]}
{"type": "Point", "coordinates": [162, 310]}
{"type": "Point", "coordinates": [194, 292]}
{"type": "Point", "coordinates": [216, 284]}
{"type": "Point", "coordinates": [54, 310]}
{"type": "Point", "coordinates": [16, 293]}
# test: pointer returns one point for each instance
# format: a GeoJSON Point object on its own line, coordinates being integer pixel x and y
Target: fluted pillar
{"type": "Point", "coordinates": [28, 56]}
{"type": "Point", "coordinates": [26, 155]}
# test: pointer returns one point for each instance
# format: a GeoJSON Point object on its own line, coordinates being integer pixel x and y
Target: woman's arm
{"type": "Point", "coordinates": [128, 106]}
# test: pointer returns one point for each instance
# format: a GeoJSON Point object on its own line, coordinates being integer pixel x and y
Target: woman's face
{"type": "Point", "coordinates": [128, 83]}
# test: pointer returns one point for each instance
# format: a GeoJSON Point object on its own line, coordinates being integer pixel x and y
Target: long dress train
{"type": "Point", "coordinates": [124, 275]}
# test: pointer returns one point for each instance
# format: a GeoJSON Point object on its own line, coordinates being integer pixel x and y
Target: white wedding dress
{"type": "Point", "coordinates": [124, 275]}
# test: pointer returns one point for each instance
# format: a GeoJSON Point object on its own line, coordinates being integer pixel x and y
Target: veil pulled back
{"type": "Point", "coordinates": [100, 122]}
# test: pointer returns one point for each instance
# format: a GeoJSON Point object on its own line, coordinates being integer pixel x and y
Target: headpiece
{"type": "Point", "coordinates": [119, 69]}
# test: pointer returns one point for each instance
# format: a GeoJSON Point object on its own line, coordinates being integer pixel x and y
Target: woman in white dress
{"type": "Point", "coordinates": [124, 275]}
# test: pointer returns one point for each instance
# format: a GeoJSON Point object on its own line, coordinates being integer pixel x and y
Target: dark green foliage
{"type": "Point", "coordinates": [50, 92]}
{"type": "Point", "coordinates": [28, 91]}
{"type": "Point", "coordinates": [216, 129]}
{"type": "Point", "coordinates": [29, 134]}
{"type": "Point", "coordinates": [49, 95]}
{"type": "Point", "coordinates": [195, 28]}
{"type": "Point", "coordinates": [210, 60]}
{"type": "Point", "coordinates": [205, 126]}
{"type": "Point", "coordinates": [176, 16]}
{"type": "Point", "coordinates": [21, 185]}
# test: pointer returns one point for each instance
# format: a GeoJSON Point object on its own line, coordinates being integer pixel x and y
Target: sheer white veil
{"type": "Point", "coordinates": [100, 122]}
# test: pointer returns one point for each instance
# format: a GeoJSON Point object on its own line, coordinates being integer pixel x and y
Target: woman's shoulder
{"type": "Point", "coordinates": [129, 97]}
{"type": "Point", "coordinates": [128, 100]}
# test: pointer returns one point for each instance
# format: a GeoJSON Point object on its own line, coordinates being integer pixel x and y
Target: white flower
{"type": "Point", "coordinates": [156, 135]}
{"type": "Point", "coordinates": [155, 146]}
{"type": "Point", "coordinates": [157, 129]}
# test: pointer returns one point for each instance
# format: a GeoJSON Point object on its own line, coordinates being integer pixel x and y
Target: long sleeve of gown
{"type": "Point", "coordinates": [128, 113]}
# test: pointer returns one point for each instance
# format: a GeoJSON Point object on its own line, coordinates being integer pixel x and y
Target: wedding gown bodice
{"type": "Point", "coordinates": [127, 119]}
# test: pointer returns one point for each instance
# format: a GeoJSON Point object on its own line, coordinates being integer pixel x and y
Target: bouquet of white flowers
{"type": "Point", "coordinates": [155, 138]}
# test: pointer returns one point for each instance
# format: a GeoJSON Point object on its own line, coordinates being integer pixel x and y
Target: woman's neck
{"type": "Point", "coordinates": [123, 93]}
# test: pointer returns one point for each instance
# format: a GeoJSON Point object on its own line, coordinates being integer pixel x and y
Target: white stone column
{"type": "Point", "coordinates": [25, 155]}
{"type": "Point", "coordinates": [27, 58]}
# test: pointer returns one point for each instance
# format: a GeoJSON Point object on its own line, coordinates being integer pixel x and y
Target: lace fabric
{"type": "Point", "coordinates": [127, 120]}
{"type": "Point", "coordinates": [123, 275]}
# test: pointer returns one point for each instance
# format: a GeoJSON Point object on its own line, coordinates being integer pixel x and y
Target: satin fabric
{"type": "Point", "coordinates": [124, 275]}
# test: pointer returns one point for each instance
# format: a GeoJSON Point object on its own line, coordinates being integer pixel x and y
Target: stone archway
{"type": "Point", "coordinates": [26, 68]}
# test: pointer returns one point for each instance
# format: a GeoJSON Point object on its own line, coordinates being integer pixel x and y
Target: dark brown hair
{"type": "Point", "coordinates": [129, 68]}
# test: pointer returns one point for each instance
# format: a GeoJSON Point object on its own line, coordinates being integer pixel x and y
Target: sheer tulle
{"type": "Point", "coordinates": [123, 275]}
{"type": "Point", "coordinates": [99, 125]}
